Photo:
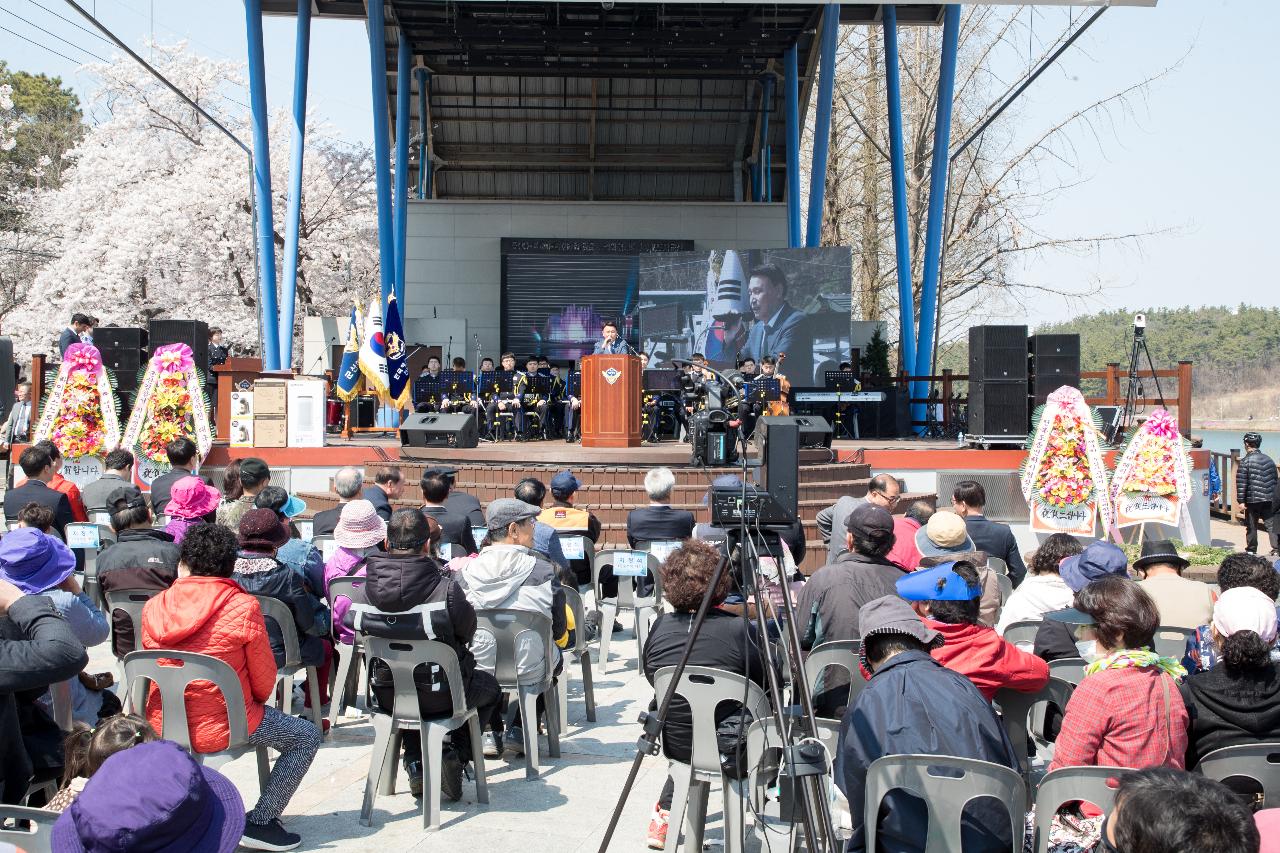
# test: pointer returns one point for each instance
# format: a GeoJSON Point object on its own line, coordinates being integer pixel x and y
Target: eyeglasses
{"type": "Point", "coordinates": [889, 500]}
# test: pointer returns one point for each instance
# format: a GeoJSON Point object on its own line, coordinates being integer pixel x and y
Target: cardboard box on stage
{"type": "Point", "coordinates": [270, 398]}
{"type": "Point", "coordinates": [270, 431]}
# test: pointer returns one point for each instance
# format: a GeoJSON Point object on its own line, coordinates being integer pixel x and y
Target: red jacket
{"type": "Point", "coordinates": [985, 658]}
{"type": "Point", "coordinates": [60, 483]}
{"type": "Point", "coordinates": [904, 554]}
{"type": "Point", "coordinates": [211, 616]}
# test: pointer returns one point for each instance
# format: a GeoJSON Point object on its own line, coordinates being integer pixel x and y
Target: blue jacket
{"type": "Point", "coordinates": [546, 541]}
{"type": "Point", "coordinates": [914, 705]}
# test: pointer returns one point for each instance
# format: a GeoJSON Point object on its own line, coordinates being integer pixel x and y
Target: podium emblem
{"type": "Point", "coordinates": [611, 375]}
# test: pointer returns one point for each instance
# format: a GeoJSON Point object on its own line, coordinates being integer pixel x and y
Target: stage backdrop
{"type": "Point", "coordinates": [557, 293]}
{"type": "Point", "coordinates": [797, 302]}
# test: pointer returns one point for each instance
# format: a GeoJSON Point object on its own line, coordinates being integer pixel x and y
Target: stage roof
{"type": "Point", "coordinates": [603, 101]}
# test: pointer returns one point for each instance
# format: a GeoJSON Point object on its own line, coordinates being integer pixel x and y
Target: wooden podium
{"type": "Point", "coordinates": [611, 401]}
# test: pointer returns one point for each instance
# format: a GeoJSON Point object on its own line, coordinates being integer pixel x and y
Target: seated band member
{"type": "Point", "coordinates": [503, 401]}
{"type": "Point", "coordinates": [428, 401]}
{"type": "Point", "coordinates": [456, 397]}
{"type": "Point", "coordinates": [571, 410]}
{"type": "Point", "coordinates": [479, 404]}
{"type": "Point", "coordinates": [559, 393]}
{"type": "Point", "coordinates": [533, 405]}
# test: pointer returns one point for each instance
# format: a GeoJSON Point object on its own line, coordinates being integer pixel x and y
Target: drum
{"type": "Point", "coordinates": [333, 411]}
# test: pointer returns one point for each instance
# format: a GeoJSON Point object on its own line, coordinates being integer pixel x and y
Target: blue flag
{"type": "Point", "coordinates": [397, 357]}
{"type": "Point", "coordinates": [349, 370]}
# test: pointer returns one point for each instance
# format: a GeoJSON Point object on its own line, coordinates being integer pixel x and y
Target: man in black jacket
{"type": "Point", "coordinates": [388, 484]}
{"type": "Point", "coordinates": [1256, 489]}
{"type": "Point", "coordinates": [407, 581]}
{"type": "Point", "coordinates": [347, 483]}
{"type": "Point", "coordinates": [182, 454]}
{"type": "Point", "coordinates": [969, 500]}
{"type": "Point", "coordinates": [459, 502]}
{"type": "Point", "coordinates": [141, 558]}
{"type": "Point", "coordinates": [37, 648]}
{"type": "Point", "coordinates": [455, 530]}
{"type": "Point", "coordinates": [38, 467]}
{"type": "Point", "coordinates": [658, 522]}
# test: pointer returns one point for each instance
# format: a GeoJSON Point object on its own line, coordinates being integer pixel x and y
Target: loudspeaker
{"type": "Point", "coordinates": [434, 429]}
{"type": "Point", "coordinates": [814, 429]}
{"type": "Point", "coordinates": [998, 352]}
{"type": "Point", "coordinates": [124, 350]}
{"type": "Point", "coordinates": [1067, 346]}
{"type": "Point", "coordinates": [1054, 362]}
{"type": "Point", "coordinates": [193, 333]}
{"type": "Point", "coordinates": [779, 441]}
{"type": "Point", "coordinates": [998, 409]}
{"type": "Point", "coordinates": [365, 411]}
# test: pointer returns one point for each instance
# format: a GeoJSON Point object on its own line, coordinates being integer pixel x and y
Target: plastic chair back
{"type": "Point", "coordinates": [63, 709]}
{"type": "Point", "coordinates": [1091, 784]}
{"type": "Point", "coordinates": [511, 628]}
{"type": "Point", "coordinates": [1171, 641]}
{"type": "Point", "coordinates": [576, 543]}
{"type": "Point", "coordinates": [704, 688]}
{"type": "Point", "coordinates": [1023, 634]}
{"type": "Point", "coordinates": [997, 565]}
{"type": "Point", "coordinates": [37, 837]}
{"type": "Point", "coordinates": [1257, 761]}
{"type": "Point", "coordinates": [131, 601]}
{"type": "Point", "coordinates": [841, 653]}
{"type": "Point", "coordinates": [279, 612]}
{"type": "Point", "coordinates": [627, 598]}
{"type": "Point", "coordinates": [573, 599]}
{"type": "Point", "coordinates": [402, 657]}
{"type": "Point", "coordinates": [945, 795]}
{"type": "Point", "coordinates": [1006, 588]}
{"type": "Point", "coordinates": [1068, 669]}
{"type": "Point", "coordinates": [328, 547]}
{"type": "Point", "coordinates": [1015, 707]}
{"type": "Point", "coordinates": [172, 676]}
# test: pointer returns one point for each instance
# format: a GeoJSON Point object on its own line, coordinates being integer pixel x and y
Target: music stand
{"type": "Point", "coordinates": [765, 389]}
{"type": "Point", "coordinates": [661, 379]}
{"type": "Point", "coordinates": [840, 380]}
{"type": "Point", "coordinates": [458, 382]}
{"type": "Point", "coordinates": [846, 382]}
{"type": "Point", "coordinates": [428, 389]}
{"type": "Point", "coordinates": [573, 384]}
{"type": "Point", "coordinates": [538, 384]}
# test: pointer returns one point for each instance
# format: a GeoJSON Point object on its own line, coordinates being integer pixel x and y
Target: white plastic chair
{"type": "Point", "coordinates": [1257, 761]}
{"type": "Point", "coordinates": [345, 678]}
{"type": "Point", "coordinates": [1015, 709]}
{"type": "Point", "coordinates": [582, 652]}
{"type": "Point", "coordinates": [36, 837]}
{"type": "Point", "coordinates": [278, 611]}
{"type": "Point", "coordinates": [835, 653]}
{"type": "Point", "coordinates": [627, 599]}
{"type": "Point", "coordinates": [1068, 784]}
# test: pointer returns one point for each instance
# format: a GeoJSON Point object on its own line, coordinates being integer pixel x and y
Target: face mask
{"type": "Point", "coordinates": [1088, 649]}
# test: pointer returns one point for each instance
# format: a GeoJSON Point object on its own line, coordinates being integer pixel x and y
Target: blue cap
{"type": "Point", "coordinates": [1097, 560]}
{"type": "Point", "coordinates": [565, 483]}
{"type": "Point", "coordinates": [940, 583]}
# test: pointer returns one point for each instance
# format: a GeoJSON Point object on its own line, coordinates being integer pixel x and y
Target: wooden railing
{"type": "Point", "coordinates": [1113, 391]}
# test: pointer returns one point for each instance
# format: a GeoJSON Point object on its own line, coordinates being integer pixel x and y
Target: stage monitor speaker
{"type": "Point", "coordinates": [193, 333]}
{"type": "Point", "coordinates": [998, 409]}
{"type": "Point", "coordinates": [124, 351]}
{"type": "Point", "coordinates": [779, 441]}
{"type": "Point", "coordinates": [365, 411]}
{"type": "Point", "coordinates": [8, 377]}
{"type": "Point", "coordinates": [433, 429]}
{"type": "Point", "coordinates": [997, 352]}
{"type": "Point", "coordinates": [814, 429]}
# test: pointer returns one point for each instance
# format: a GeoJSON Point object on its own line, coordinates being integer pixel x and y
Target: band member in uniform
{"type": "Point", "coordinates": [611, 342]}
{"type": "Point", "coordinates": [571, 411]}
{"type": "Point", "coordinates": [531, 402]}
{"type": "Point", "coordinates": [433, 401]}
{"type": "Point", "coordinates": [503, 401]}
{"type": "Point", "coordinates": [456, 397]}
{"type": "Point", "coordinates": [555, 401]}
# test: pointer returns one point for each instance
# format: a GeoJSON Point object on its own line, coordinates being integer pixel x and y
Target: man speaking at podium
{"type": "Point", "coordinates": [612, 343]}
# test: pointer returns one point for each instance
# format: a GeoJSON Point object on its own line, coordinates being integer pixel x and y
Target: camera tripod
{"type": "Point", "coordinates": [793, 724]}
{"type": "Point", "coordinates": [1124, 416]}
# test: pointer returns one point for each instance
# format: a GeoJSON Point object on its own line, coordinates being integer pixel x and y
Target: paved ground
{"type": "Point", "coordinates": [566, 810]}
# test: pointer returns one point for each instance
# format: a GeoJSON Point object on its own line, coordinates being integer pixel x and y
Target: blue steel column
{"type": "Point", "coordinates": [937, 203]}
{"type": "Point", "coordinates": [404, 86]}
{"type": "Point", "coordinates": [262, 186]}
{"type": "Point", "coordinates": [293, 207]}
{"type": "Point", "coordinates": [822, 124]}
{"type": "Point", "coordinates": [792, 84]}
{"type": "Point", "coordinates": [381, 148]}
{"type": "Point", "coordinates": [424, 139]}
{"type": "Point", "coordinates": [901, 237]}
{"type": "Point", "coordinates": [766, 150]}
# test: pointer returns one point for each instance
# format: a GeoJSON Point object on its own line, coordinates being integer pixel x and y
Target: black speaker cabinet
{"type": "Point", "coordinates": [193, 333]}
{"type": "Point", "coordinates": [124, 350]}
{"type": "Point", "coordinates": [779, 441]}
{"type": "Point", "coordinates": [1054, 345]}
{"type": "Point", "coordinates": [998, 352]}
{"type": "Point", "coordinates": [434, 429]}
{"type": "Point", "coordinates": [998, 409]}
{"type": "Point", "coordinates": [814, 429]}
{"type": "Point", "coordinates": [365, 410]}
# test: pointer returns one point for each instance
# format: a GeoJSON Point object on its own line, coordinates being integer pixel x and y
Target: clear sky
{"type": "Point", "coordinates": [1193, 160]}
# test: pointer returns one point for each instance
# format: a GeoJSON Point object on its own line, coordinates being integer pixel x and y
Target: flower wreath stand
{"type": "Point", "coordinates": [170, 403]}
{"type": "Point", "coordinates": [1064, 477]}
{"type": "Point", "coordinates": [80, 413]}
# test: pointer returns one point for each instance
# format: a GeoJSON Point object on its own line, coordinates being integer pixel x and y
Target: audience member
{"type": "Point", "coordinates": [911, 705]}
{"type": "Point", "coordinates": [1237, 570]}
{"type": "Point", "coordinates": [725, 641]}
{"type": "Point", "coordinates": [191, 501]}
{"type": "Point", "coordinates": [1158, 810]}
{"type": "Point", "coordinates": [38, 468]}
{"type": "Point", "coordinates": [1256, 492]}
{"type": "Point", "coordinates": [658, 521]}
{"type": "Point", "coordinates": [458, 502]}
{"type": "Point", "coordinates": [388, 485]}
{"type": "Point", "coordinates": [532, 491]}
{"type": "Point", "coordinates": [182, 453]}
{"type": "Point", "coordinates": [1238, 701]}
{"type": "Point", "coordinates": [904, 554]}
{"type": "Point", "coordinates": [59, 483]}
{"type": "Point", "coordinates": [119, 472]}
{"type": "Point", "coordinates": [883, 491]}
{"type": "Point", "coordinates": [39, 564]}
{"type": "Point", "coordinates": [455, 530]}
{"type": "Point", "coordinates": [946, 599]}
{"type": "Point", "coordinates": [1182, 602]}
{"type": "Point", "coordinates": [1055, 639]}
{"type": "Point", "coordinates": [828, 604]}
{"type": "Point", "coordinates": [359, 535]}
{"type": "Point", "coordinates": [36, 516]}
{"type": "Point", "coordinates": [1127, 712]}
{"type": "Point", "coordinates": [563, 517]}
{"type": "Point", "coordinates": [185, 807]}
{"type": "Point", "coordinates": [81, 325]}
{"type": "Point", "coordinates": [254, 477]}
{"type": "Point", "coordinates": [207, 612]}
{"type": "Point", "coordinates": [969, 500]}
{"type": "Point", "coordinates": [348, 483]}
{"type": "Point", "coordinates": [1043, 589]}
{"type": "Point", "coordinates": [298, 554]}
{"type": "Point", "coordinates": [86, 749]}
{"type": "Point", "coordinates": [142, 558]}
{"type": "Point", "coordinates": [944, 539]}
{"type": "Point", "coordinates": [406, 581]}
{"type": "Point", "coordinates": [510, 575]}
{"type": "Point", "coordinates": [17, 426]}
{"type": "Point", "coordinates": [37, 648]}
{"type": "Point", "coordinates": [232, 488]}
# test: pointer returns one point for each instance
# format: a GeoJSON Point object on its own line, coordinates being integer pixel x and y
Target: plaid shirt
{"type": "Point", "coordinates": [1118, 718]}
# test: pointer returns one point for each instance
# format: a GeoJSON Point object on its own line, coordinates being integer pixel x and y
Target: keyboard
{"type": "Point", "coordinates": [839, 396]}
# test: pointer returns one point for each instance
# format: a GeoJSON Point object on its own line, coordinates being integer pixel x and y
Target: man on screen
{"type": "Point", "coordinates": [611, 343]}
{"type": "Point", "coordinates": [779, 328]}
